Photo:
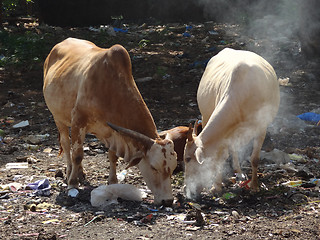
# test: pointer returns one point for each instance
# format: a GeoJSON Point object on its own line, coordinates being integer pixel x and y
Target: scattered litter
{"type": "Point", "coordinates": [292, 183]}
{"type": "Point", "coordinates": [93, 219]}
{"type": "Point", "coordinates": [24, 235]}
{"type": "Point", "coordinates": [9, 104]}
{"type": "Point", "coordinates": [41, 187]}
{"type": "Point", "coordinates": [186, 34]}
{"type": "Point", "coordinates": [298, 158]}
{"type": "Point", "coordinates": [120, 30]}
{"type": "Point", "coordinates": [147, 219]}
{"type": "Point", "coordinates": [122, 175]}
{"type": "Point", "coordinates": [21, 124]}
{"type": "Point", "coordinates": [73, 192]}
{"type": "Point", "coordinates": [47, 150]}
{"type": "Point", "coordinates": [17, 165]}
{"type": "Point", "coordinates": [228, 195]}
{"type": "Point", "coordinates": [213, 32]}
{"type": "Point", "coordinates": [310, 116]}
{"type": "Point", "coordinates": [245, 184]}
{"type": "Point", "coordinates": [192, 228]}
{"type": "Point", "coordinates": [277, 156]}
{"type": "Point", "coordinates": [28, 146]}
{"type": "Point", "coordinates": [51, 221]}
{"type": "Point", "coordinates": [284, 81]}
{"type": "Point", "coordinates": [36, 139]}
{"type": "Point", "coordinates": [102, 195]}
{"type": "Point", "coordinates": [289, 167]}
{"type": "Point", "coordinates": [180, 216]}
{"type": "Point", "coordinates": [13, 187]}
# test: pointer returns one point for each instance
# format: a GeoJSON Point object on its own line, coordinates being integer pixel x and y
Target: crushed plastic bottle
{"type": "Point", "coordinates": [122, 175]}
{"type": "Point", "coordinates": [292, 183]}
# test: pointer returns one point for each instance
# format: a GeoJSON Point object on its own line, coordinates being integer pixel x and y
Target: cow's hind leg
{"type": "Point", "coordinates": [113, 167]}
{"type": "Point", "coordinates": [255, 157]}
{"type": "Point", "coordinates": [78, 134]}
{"type": "Point", "coordinates": [64, 140]}
{"type": "Point", "coordinates": [235, 161]}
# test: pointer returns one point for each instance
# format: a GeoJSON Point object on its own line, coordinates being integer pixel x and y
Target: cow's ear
{"type": "Point", "coordinates": [189, 133]}
{"type": "Point", "coordinates": [134, 162]}
{"type": "Point", "coordinates": [197, 127]}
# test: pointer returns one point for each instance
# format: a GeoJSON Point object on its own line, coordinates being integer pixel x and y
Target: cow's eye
{"type": "Point", "coordinates": [188, 159]}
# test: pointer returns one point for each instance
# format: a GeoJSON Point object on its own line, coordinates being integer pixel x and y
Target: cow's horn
{"type": "Point", "coordinates": [146, 141]}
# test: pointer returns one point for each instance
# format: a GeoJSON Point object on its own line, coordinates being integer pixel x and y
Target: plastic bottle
{"type": "Point", "coordinates": [122, 175]}
{"type": "Point", "coordinates": [292, 183]}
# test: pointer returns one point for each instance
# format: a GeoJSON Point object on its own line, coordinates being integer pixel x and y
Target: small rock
{"type": "Point", "coordinates": [235, 214]}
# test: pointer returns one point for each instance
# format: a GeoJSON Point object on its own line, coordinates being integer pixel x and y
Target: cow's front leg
{"type": "Point", "coordinates": [113, 167]}
{"type": "Point", "coordinates": [77, 139]}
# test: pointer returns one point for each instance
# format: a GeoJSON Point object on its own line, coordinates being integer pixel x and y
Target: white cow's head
{"type": "Point", "coordinates": [156, 160]}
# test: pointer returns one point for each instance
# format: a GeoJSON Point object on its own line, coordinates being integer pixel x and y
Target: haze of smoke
{"type": "Point", "coordinates": [272, 28]}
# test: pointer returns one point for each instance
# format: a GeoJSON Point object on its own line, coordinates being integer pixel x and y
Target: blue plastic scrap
{"type": "Point", "coordinates": [41, 187]}
{"type": "Point", "coordinates": [310, 116]}
{"type": "Point", "coordinates": [186, 34]}
{"type": "Point", "coordinates": [120, 30]}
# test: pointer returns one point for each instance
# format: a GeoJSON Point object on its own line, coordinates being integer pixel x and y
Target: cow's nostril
{"type": "Point", "coordinates": [167, 203]}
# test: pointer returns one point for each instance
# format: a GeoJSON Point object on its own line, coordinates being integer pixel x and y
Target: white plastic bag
{"type": "Point", "coordinates": [108, 194]}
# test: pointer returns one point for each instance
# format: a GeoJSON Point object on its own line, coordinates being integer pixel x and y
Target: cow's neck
{"type": "Point", "coordinates": [124, 147]}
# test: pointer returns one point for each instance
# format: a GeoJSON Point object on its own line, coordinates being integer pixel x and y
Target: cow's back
{"type": "Point", "coordinates": [81, 77]}
{"type": "Point", "coordinates": [237, 87]}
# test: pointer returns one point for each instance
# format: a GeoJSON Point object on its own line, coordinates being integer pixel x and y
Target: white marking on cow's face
{"type": "Point", "coordinates": [157, 169]}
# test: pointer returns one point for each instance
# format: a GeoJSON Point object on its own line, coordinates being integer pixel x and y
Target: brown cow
{"type": "Point", "coordinates": [179, 137]}
{"type": "Point", "coordinates": [84, 88]}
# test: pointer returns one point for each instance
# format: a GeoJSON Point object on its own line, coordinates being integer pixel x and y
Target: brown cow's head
{"type": "Point", "coordinates": [157, 168]}
{"type": "Point", "coordinates": [156, 160]}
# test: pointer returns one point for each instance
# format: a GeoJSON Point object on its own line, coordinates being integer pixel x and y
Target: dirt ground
{"type": "Point", "coordinates": [172, 62]}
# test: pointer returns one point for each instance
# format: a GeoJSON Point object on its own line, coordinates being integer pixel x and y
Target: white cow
{"type": "Point", "coordinates": [84, 88]}
{"type": "Point", "coordinates": [238, 96]}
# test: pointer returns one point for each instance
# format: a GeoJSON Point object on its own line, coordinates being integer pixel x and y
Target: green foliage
{"type": "Point", "coordinates": [10, 6]}
{"type": "Point", "coordinates": [26, 49]}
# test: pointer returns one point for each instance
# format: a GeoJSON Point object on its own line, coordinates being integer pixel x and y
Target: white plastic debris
{"type": "Point", "coordinates": [73, 192]}
{"type": "Point", "coordinates": [106, 194]}
{"type": "Point", "coordinates": [277, 156]}
{"type": "Point", "coordinates": [21, 124]}
{"type": "Point", "coordinates": [122, 175]}
{"type": "Point", "coordinates": [17, 165]}
{"type": "Point", "coordinates": [36, 139]}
